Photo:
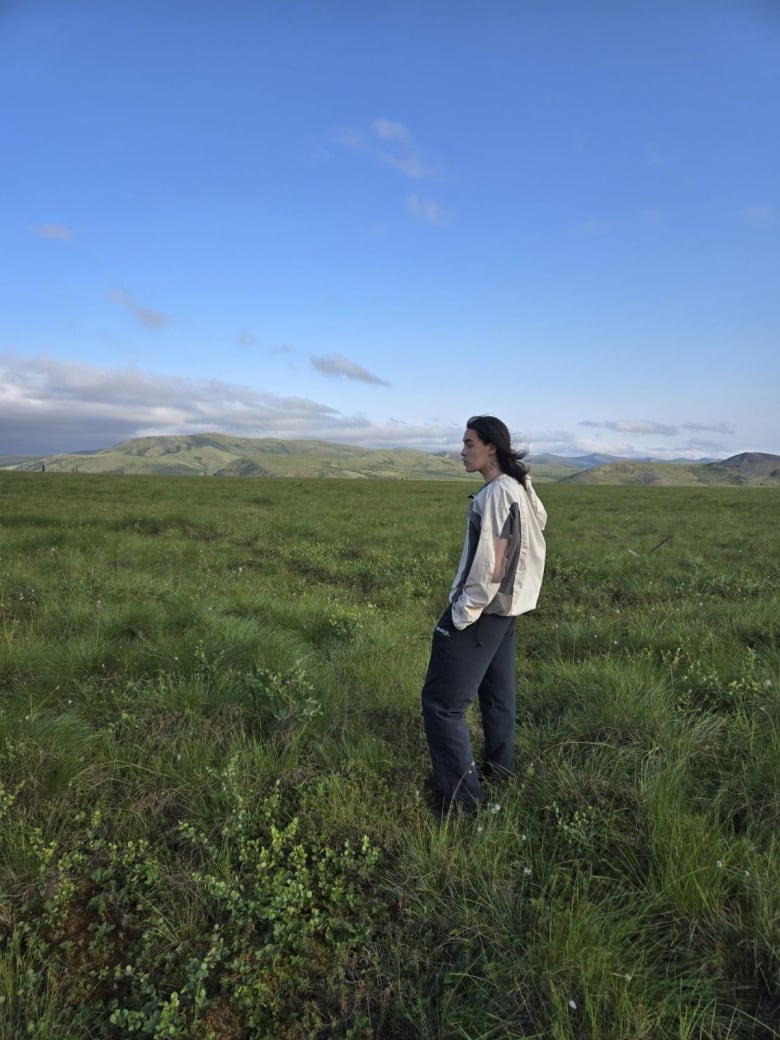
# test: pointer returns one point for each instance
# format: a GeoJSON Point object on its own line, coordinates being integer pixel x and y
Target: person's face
{"type": "Point", "coordinates": [477, 456]}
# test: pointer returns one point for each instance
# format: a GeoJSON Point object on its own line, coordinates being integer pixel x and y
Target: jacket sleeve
{"type": "Point", "coordinates": [479, 587]}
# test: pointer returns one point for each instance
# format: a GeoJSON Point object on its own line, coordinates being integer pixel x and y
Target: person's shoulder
{"type": "Point", "coordinates": [504, 488]}
{"type": "Point", "coordinates": [509, 486]}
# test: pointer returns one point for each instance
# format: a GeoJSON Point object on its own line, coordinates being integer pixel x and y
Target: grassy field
{"type": "Point", "coordinates": [214, 780]}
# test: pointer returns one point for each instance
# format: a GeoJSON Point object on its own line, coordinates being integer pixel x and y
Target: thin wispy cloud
{"type": "Point", "coordinates": [388, 130]}
{"type": "Point", "coordinates": [636, 222]}
{"type": "Point", "coordinates": [638, 426]}
{"type": "Point", "coordinates": [245, 338]}
{"type": "Point", "coordinates": [340, 367]}
{"type": "Point", "coordinates": [389, 143]}
{"type": "Point", "coordinates": [761, 215]}
{"type": "Point", "coordinates": [653, 156]}
{"type": "Point", "coordinates": [149, 319]}
{"type": "Point", "coordinates": [718, 427]}
{"type": "Point", "coordinates": [642, 427]}
{"type": "Point", "coordinates": [428, 211]}
{"type": "Point", "coordinates": [54, 231]}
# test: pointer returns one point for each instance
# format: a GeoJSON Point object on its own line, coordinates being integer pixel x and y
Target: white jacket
{"type": "Point", "coordinates": [502, 563]}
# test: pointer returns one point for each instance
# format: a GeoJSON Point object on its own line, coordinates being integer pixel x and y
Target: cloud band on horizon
{"type": "Point", "coordinates": [49, 406]}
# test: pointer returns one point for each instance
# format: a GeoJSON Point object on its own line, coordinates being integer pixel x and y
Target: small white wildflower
{"type": "Point", "coordinates": [628, 977]}
{"type": "Point", "coordinates": [718, 864]}
{"type": "Point", "coordinates": [767, 684]}
{"type": "Point", "coordinates": [527, 871]}
{"type": "Point", "coordinates": [573, 1005]}
{"type": "Point", "coordinates": [496, 807]}
{"type": "Point", "coordinates": [747, 873]}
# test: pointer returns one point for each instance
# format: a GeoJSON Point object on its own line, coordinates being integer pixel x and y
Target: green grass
{"type": "Point", "coordinates": [214, 779]}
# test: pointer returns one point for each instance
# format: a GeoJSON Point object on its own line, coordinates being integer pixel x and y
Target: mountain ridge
{"type": "Point", "coordinates": [754, 469]}
{"type": "Point", "coordinates": [217, 454]}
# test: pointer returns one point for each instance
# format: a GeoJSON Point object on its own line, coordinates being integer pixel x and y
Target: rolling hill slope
{"type": "Point", "coordinates": [215, 454]}
{"type": "Point", "coordinates": [221, 455]}
{"type": "Point", "coordinates": [751, 469]}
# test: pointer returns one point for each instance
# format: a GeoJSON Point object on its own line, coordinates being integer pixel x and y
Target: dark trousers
{"type": "Point", "coordinates": [478, 661]}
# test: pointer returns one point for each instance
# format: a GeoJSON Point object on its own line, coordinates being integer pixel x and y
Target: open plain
{"type": "Point", "coordinates": [213, 776]}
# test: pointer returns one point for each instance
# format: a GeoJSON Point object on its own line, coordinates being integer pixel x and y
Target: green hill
{"type": "Point", "coordinates": [750, 469]}
{"type": "Point", "coordinates": [220, 455]}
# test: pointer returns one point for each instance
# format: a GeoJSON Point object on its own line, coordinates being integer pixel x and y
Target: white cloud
{"type": "Point", "coordinates": [56, 231]}
{"type": "Point", "coordinates": [48, 405]}
{"type": "Point", "coordinates": [428, 211]}
{"type": "Point", "coordinates": [683, 447]}
{"type": "Point", "coordinates": [147, 318]}
{"type": "Point", "coordinates": [341, 367]}
{"type": "Point", "coordinates": [626, 449]}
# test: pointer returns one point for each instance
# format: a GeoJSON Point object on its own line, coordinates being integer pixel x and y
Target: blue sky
{"type": "Point", "coordinates": [365, 222]}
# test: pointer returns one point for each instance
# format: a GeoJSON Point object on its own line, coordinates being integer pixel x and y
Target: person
{"type": "Point", "coordinates": [473, 646]}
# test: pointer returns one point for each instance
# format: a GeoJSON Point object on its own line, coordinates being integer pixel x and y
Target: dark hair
{"type": "Point", "coordinates": [492, 431]}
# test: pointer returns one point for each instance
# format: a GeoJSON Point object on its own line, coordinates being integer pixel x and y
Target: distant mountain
{"type": "Point", "coordinates": [215, 454]}
{"type": "Point", "coordinates": [754, 469]}
{"type": "Point", "coordinates": [595, 459]}
{"type": "Point", "coordinates": [16, 461]}
{"type": "Point", "coordinates": [546, 466]}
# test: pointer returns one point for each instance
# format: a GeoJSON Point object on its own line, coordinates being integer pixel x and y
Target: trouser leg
{"type": "Point", "coordinates": [458, 664]}
{"type": "Point", "coordinates": [497, 704]}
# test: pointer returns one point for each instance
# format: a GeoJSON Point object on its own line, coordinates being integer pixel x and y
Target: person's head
{"type": "Point", "coordinates": [487, 449]}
